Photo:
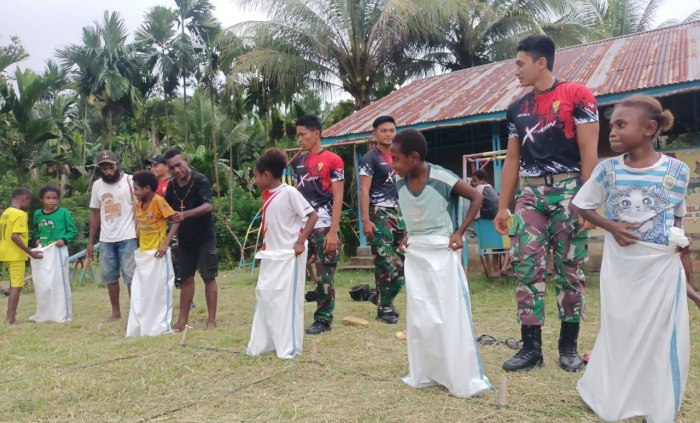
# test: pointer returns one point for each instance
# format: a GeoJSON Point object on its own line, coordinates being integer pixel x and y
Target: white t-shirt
{"type": "Point", "coordinates": [283, 210]}
{"type": "Point", "coordinates": [650, 197]}
{"type": "Point", "coordinates": [115, 202]}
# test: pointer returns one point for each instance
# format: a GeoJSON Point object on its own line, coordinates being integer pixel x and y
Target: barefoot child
{"type": "Point", "coordinates": [54, 230]}
{"type": "Point", "coordinates": [639, 364]}
{"type": "Point", "coordinates": [440, 336]}
{"type": "Point", "coordinates": [14, 237]}
{"type": "Point", "coordinates": [278, 324]}
{"type": "Point", "coordinates": [152, 286]}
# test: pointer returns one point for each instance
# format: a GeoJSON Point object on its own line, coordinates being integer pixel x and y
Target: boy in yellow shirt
{"type": "Point", "coordinates": [14, 237]}
{"type": "Point", "coordinates": [152, 214]}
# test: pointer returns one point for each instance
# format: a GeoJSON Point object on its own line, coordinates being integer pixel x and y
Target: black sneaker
{"type": "Point", "coordinates": [191, 305]}
{"type": "Point", "coordinates": [530, 356]}
{"type": "Point", "coordinates": [318, 327]}
{"type": "Point", "coordinates": [387, 315]}
{"type": "Point", "coordinates": [396, 312]}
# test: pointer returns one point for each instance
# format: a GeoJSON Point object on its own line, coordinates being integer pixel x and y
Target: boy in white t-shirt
{"type": "Point", "coordinates": [112, 212]}
{"type": "Point", "coordinates": [278, 324]}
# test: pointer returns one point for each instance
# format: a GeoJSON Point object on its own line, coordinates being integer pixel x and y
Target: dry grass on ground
{"type": "Point", "coordinates": [85, 371]}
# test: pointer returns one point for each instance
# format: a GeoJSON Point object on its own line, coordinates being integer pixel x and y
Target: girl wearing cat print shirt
{"type": "Point", "coordinates": [643, 191]}
{"type": "Point", "coordinates": [644, 196]}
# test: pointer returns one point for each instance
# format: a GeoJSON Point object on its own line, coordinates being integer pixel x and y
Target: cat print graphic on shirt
{"type": "Point", "coordinates": [639, 206]}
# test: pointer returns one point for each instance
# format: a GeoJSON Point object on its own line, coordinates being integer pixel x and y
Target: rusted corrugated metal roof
{"type": "Point", "coordinates": [650, 59]}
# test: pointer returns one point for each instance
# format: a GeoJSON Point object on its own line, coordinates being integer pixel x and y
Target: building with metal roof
{"type": "Point", "coordinates": [657, 62]}
{"type": "Point", "coordinates": [463, 112]}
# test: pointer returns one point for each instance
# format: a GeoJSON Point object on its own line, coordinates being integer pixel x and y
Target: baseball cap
{"type": "Point", "coordinates": [156, 160]}
{"type": "Point", "coordinates": [106, 156]}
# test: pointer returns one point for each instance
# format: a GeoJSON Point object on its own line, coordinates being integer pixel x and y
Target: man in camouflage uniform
{"type": "Point", "coordinates": [381, 218]}
{"type": "Point", "coordinates": [319, 176]}
{"type": "Point", "coordinates": [552, 147]}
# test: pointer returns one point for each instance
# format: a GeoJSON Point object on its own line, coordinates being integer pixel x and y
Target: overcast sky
{"type": "Point", "coordinates": [44, 25]}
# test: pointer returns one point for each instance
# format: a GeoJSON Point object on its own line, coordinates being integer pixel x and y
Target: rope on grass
{"type": "Point", "coordinates": [214, 397]}
{"type": "Point", "coordinates": [72, 369]}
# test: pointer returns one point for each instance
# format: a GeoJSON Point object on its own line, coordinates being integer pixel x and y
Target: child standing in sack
{"type": "Point", "coordinates": [442, 348]}
{"type": "Point", "coordinates": [154, 279]}
{"type": "Point", "coordinates": [53, 224]}
{"type": "Point", "coordinates": [278, 324]}
{"type": "Point", "coordinates": [14, 238]}
{"type": "Point", "coordinates": [54, 229]}
{"type": "Point", "coordinates": [639, 365]}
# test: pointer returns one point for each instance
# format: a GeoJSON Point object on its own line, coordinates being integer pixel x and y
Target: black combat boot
{"type": "Point", "coordinates": [569, 359]}
{"type": "Point", "coordinates": [530, 355]}
{"type": "Point", "coordinates": [387, 315]}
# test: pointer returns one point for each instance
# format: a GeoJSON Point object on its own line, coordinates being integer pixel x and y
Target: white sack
{"type": "Point", "coordinates": [52, 285]}
{"type": "Point", "coordinates": [278, 323]}
{"type": "Point", "coordinates": [639, 365]}
{"type": "Point", "coordinates": [442, 348]}
{"type": "Point", "coordinates": [151, 295]}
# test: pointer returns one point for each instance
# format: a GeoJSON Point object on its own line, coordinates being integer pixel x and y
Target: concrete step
{"type": "Point", "coordinates": [362, 261]}
{"type": "Point", "coordinates": [357, 268]}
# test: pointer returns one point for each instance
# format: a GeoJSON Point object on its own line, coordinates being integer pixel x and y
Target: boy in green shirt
{"type": "Point", "coordinates": [53, 223]}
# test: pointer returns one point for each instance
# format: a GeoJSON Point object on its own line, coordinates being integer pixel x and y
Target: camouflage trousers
{"type": "Point", "coordinates": [388, 260]}
{"type": "Point", "coordinates": [326, 262]}
{"type": "Point", "coordinates": [544, 218]}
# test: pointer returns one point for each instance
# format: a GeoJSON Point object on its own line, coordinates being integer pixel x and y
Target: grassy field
{"type": "Point", "coordinates": [87, 371]}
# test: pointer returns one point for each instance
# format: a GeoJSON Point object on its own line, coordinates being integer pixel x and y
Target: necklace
{"type": "Point", "coordinates": [182, 200]}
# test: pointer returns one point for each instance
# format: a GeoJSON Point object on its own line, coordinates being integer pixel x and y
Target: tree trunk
{"type": "Point", "coordinates": [110, 128]}
{"type": "Point", "coordinates": [85, 109]}
{"type": "Point", "coordinates": [184, 90]}
{"type": "Point", "coordinates": [216, 156]}
{"type": "Point", "coordinates": [154, 139]}
{"type": "Point", "coordinates": [167, 125]}
{"type": "Point", "coordinates": [230, 178]}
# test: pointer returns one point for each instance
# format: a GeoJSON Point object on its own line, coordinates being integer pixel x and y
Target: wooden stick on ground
{"type": "Point", "coordinates": [183, 340]}
{"type": "Point", "coordinates": [503, 395]}
{"type": "Point", "coordinates": [314, 352]}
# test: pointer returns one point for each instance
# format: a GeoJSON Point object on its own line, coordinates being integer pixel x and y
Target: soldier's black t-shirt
{"type": "Point", "coordinates": [545, 125]}
{"type": "Point", "coordinates": [193, 230]}
{"type": "Point", "coordinates": [378, 166]}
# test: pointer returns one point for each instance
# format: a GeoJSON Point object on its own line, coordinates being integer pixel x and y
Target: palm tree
{"type": "Point", "coordinates": [157, 36]}
{"type": "Point", "coordinates": [31, 127]}
{"type": "Point", "coordinates": [107, 70]}
{"type": "Point", "coordinates": [695, 16]}
{"type": "Point", "coordinates": [12, 53]}
{"type": "Point", "coordinates": [190, 16]}
{"type": "Point", "coordinates": [330, 43]}
{"type": "Point", "coordinates": [468, 33]}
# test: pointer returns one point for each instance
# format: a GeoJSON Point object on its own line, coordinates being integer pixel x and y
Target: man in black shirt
{"type": "Point", "coordinates": [189, 194]}
{"type": "Point", "coordinates": [381, 219]}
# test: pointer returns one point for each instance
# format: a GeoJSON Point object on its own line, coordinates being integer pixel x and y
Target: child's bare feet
{"type": "Point", "coordinates": [112, 318]}
{"type": "Point", "coordinates": [11, 321]}
{"type": "Point", "coordinates": [177, 327]}
{"type": "Point", "coordinates": [211, 325]}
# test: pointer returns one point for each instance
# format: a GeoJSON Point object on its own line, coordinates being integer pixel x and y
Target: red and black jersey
{"type": "Point", "coordinates": [314, 175]}
{"type": "Point", "coordinates": [545, 125]}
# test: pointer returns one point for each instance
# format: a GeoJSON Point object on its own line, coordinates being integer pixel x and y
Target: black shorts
{"type": "Point", "coordinates": [191, 257]}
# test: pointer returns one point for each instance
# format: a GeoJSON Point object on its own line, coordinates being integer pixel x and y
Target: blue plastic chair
{"type": "Point", "coordinates": [489, 240]}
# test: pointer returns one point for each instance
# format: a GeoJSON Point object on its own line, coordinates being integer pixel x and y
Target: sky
{"type": "Point", "coordinates": [44, 25]}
